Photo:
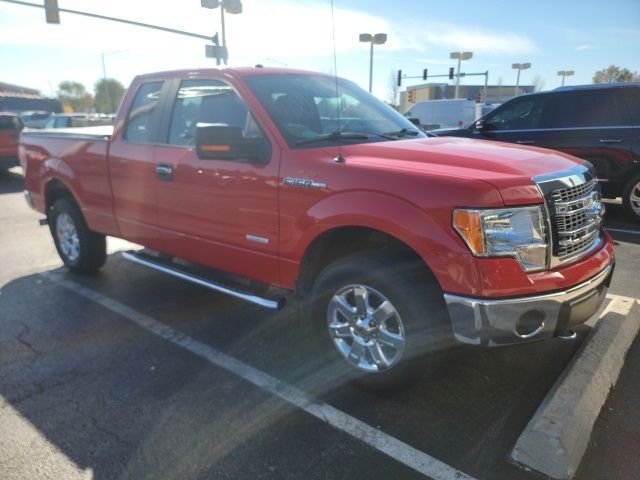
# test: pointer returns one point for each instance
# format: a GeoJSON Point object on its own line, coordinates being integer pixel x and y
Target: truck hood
{"type": "Point", "coordinates": [508, 167]}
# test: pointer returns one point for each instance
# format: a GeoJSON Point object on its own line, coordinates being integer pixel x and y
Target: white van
{"type": "Point", "coordinates": [443, 113]}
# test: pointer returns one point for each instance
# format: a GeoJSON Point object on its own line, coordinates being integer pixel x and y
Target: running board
{"type": "Point", "coordinates": [166, 267]}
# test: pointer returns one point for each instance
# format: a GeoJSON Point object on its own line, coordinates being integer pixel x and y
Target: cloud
{"type": "Point", "coordinates": [584, 47]}
{"type": "Point", "coordinates": [498, 43]}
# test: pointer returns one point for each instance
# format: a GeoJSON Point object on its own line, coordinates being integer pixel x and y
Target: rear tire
{"type": "Point", "coordinates": [631, 198]}
{"type": "Point", "coordinates": [381, 313]}
{"type": "Point", "coordinates": [82, 250]}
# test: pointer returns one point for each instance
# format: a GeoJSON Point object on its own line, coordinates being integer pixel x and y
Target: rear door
{"type": "Point", "coordinates": [132, 165]}
{"type": "Point", "coordinates": [221, 213]}
{"type": "Point", "coordinates": [593, 125]}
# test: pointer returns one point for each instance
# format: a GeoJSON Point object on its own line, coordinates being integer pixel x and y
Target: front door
{"type": "Point", "coordinates": [221, 213]}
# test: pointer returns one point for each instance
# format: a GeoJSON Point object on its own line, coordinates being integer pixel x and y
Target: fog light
{"type": "Point", "coordinates": [530, 323]}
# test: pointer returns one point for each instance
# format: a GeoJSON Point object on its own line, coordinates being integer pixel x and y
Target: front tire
{"type": "Point", "coordinates": [81, 250]}
{"type": "Point", "coordinates": [631, 198]}
{"type": "Point", "coordinates": [381, 313]}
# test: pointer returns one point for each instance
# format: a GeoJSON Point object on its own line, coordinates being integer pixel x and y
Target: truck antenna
{"type": "Point", "coordinates": [339, 158]}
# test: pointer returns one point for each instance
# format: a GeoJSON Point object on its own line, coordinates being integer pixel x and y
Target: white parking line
{"type": "Point", "coordinates": [622, 230]}
{"type": "Point", "coordinates": [377, 439]}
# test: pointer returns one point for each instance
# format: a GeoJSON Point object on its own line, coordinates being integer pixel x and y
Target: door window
{"type": "Point", "coordinates": [584, 109]}
{"type": "Point", "coordinates": [208, 101]}
{"type": "Point", "coordinates": [520, 114]}
{"type": "Point", "coordinates": [142, 114]}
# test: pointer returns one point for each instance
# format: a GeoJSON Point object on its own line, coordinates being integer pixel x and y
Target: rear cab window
{"type": "Point", "coordinates": [9, 122]}
{"type": "Point", "coordinates": [142, 119]}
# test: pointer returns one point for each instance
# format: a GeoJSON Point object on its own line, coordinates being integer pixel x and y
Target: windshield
{"type": "Point", "coordinates": [310, 110]}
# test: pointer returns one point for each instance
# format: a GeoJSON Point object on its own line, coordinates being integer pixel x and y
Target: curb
{"type": "Point", "coordinates": [557, 436]}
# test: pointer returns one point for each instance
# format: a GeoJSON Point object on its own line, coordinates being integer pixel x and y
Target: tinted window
{"type": "Point", "coordinates": [9, 123]}
{"type": "Point", "coordinates": [207, 101]}
{"type": "Point", "coordinates": [629, 99]}
{"type": "Point", "coordinates": [141, 118]}
{"type": "Point", "coordinates": [583, 109]}
{"type": "Point", "coordinates": [520, 114]}
{"type": "Point", "coordinates": [62, 122]}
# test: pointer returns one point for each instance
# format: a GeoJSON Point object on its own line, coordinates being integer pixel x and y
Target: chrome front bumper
{"type": "Point", "coordinates": [488, 322]}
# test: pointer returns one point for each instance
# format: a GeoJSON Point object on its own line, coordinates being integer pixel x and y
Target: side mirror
{"type": "Point", "coordinates": [222, 142]}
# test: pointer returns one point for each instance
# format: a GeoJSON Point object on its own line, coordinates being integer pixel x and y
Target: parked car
{"type": "Point", "coordinates": [10, 127]}
{"type": "Point", "coordinates": [434, 114]}
{"type": "Point", "coordinates": [397, 243]}
{"type": "Point", "coordinates": [599, 123]}
{"type": "Point", "coordinates": [72, 120]}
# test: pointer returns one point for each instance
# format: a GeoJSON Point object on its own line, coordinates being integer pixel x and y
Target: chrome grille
{"type": "Point", "coordinates": [575, 212]}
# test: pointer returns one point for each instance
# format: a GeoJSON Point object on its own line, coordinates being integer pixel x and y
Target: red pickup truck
{"type": "Point", "coordinates": [261, 183]}
{"type": "Point", "coordinates": [10, 126]}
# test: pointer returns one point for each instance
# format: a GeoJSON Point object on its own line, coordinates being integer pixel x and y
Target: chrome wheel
{"type": "Point", "coordinates": [366, 328]}
{"type": "Point", "coordinates": [634, 198]}
{"type": "Point", "coordinates": [67, 235]}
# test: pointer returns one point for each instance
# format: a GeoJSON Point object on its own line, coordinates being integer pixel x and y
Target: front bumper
{"type": "Point", "coordinates": [488, 322]}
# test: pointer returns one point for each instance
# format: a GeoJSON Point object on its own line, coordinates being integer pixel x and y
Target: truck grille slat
{"type": "Point", "coordinates": [575, 213]}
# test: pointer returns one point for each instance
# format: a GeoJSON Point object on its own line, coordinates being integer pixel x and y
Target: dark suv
{"type": "Point", "coordinates": [599, 123]}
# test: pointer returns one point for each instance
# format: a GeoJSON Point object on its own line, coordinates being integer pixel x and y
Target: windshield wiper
{"type": "Point", "coordinates": [405, 132]}
{"type": "Point", "coordinates": [336, 135]}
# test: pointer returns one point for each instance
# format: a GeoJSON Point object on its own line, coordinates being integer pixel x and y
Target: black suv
{"type": "Point", "coordinates": [599, 123]}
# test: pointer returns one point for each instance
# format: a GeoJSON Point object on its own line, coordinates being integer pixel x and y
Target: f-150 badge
{"type": "Point", "coordinates": [303, 182]}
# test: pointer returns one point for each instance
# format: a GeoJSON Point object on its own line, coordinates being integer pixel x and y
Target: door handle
{"type": "Point", "coordinates": [164, 171]}
{"type": "Point", "coordinates": [611, 140]}
{"type": "Point", "coordinates": [525, 142]}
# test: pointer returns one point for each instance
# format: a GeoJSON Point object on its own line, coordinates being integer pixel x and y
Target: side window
{"type": "Point", "coordinates": [584, 109]}
{"type": "Point", "coordinates": [522, 114]}
{"type": "Point", "coordinates": [208, 101]}
{"type": "Point", "coordinates": [629, 99]}
{"type": "Point", "coordinates": [62, 122]}
{"type": "Point", "coordinates": [9, 123]}
{"type": "Point", "coordinates": [142, 114]}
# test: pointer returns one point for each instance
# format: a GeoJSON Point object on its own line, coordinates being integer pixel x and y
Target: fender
{"type": "Point", "coordinates": [428, 233]}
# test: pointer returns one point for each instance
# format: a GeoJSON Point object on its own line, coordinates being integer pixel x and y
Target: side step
{"type": "Point", "coordinates": [166, 265]}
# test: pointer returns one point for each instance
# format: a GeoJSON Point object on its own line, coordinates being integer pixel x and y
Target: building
{"type": "Point", "coordinates": [441, 91]}
{"type": "Point", "coordinates": [14, 98]}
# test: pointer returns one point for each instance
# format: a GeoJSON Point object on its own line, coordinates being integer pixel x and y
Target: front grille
{"type": "Point", "coordinates": [575, 213]}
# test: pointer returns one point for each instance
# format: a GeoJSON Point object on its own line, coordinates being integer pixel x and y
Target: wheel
{"type": "Point", "coordinates": [631, 198]}
{"type": "Point", "coordinates": [81, 250]}
{"type": "Point", "coordinates": [382, 313]}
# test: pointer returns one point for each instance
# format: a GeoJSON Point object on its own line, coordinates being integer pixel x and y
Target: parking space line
{"type": "Point", "coordinates": [622, 230]}
{"type": "Point", "coordinates": [613, 296]}
{"type": "Point", "coordinates": [390, 446]}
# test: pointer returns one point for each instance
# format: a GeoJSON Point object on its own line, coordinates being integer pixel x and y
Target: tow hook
{"type": "Point", "coordinates": [43, 221]}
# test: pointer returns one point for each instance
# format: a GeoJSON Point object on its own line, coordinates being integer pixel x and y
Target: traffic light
{"type": "Point", "coordinates": [424, 74]}
{"type": "Point", "coordinates": [411, 96]}
{"type": "Point", "coordinates": [451, 73]}
{"type": "Point", "coordinates": [399, 78]}
{"type": "Point", "coordinates": [51, 11]}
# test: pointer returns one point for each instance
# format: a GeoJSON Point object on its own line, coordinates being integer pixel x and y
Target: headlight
{"type": "Point", "coordinates": [516, 232]}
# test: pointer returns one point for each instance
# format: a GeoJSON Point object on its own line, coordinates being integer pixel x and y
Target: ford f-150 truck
{"type": "Point", "coordinates": [261, 183]}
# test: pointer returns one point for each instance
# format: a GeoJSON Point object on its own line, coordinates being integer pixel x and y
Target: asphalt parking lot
{"type": "Point", "coordinates": [133, 374]}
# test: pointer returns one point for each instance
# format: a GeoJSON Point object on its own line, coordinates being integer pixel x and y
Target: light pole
{"type": "Point", "coordinates": [519, 66]}
{"type": "Point", "coordinates": [278, 62]}
{"type": "Point", "coordinates": [565, 73]}
{"type": "Point", "coordinates": [377, 39]}
{"type": "Point", "coordinates": [233, 7]}
{"type": "Point", "coordinates": [459, 56]}
{"type": "Point", "coordinates": [104, 79]}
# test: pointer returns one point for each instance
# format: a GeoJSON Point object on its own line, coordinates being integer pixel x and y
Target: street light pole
{"type": "Point", "coordinates": [233, 7]}
{"type": "Point", "coordinates": [110, 105]}
{"type": "Point", "coordinates": [519, 67]}
{"type": "Point", "coordinates": [459, 56]}
{"type": "Point", "coordinates": [377, 39]}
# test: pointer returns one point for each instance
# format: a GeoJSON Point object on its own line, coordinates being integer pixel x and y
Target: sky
{"type": "Point", "coordinates": [552, 35]}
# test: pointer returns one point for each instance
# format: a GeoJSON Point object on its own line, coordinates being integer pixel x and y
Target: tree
{"type": "Point", "coordinates": [108, 93]}
{"type": "Point", "coordinates": [75, 96]}
{"type": "Point", "coordinates": [392, 84]}
{"type": "Point", "coordinates": [615, 74]}
{"type": "Point", "coordinates": [538, 83]}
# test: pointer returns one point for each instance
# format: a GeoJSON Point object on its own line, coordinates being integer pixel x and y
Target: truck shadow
{"type": "Point", "coordinates": [11, 181]}
{"type": "Point", "coordinates": [117, 400]}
